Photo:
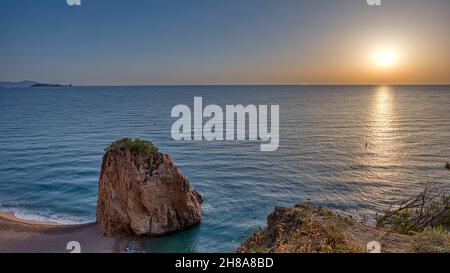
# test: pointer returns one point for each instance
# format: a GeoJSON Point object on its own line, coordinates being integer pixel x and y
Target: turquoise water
{"type": "Point", "coordinates": [353, 148]}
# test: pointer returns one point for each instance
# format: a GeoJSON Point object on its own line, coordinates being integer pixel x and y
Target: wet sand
{"type": "Point", "coordinates": [17, 236]}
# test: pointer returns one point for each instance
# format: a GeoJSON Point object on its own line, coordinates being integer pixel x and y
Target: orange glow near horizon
{"type": "Point", "coordinates": [368, 60]}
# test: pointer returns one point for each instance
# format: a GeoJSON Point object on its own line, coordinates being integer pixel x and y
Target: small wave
{"type": "Point", "coordinates": [207, 208]}
{"type": "Point", "coordinates": [47, 216]}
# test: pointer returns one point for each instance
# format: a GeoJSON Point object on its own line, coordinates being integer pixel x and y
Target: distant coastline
{"type": "Point", "coordinates": [49, 85]}
{"type": "Point", "coordinates": [31, 84]}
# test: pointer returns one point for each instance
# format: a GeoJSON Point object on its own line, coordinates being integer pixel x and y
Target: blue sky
{"type": "Point", "coordinates": [221, 42]}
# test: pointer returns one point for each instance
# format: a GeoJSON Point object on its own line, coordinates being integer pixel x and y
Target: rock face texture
{"type": "Point", "coordinates": [308, 229]}
{"type": "Point", "coordinates": [144, 193]}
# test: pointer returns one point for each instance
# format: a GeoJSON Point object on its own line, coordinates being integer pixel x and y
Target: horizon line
{"type": "Point", "coordinates": [265, 84]}
{"type": "Point", "coordinates": [235, 84]}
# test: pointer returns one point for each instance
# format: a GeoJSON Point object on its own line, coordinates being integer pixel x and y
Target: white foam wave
{"type": "Point", "coordinates": [47, 216]}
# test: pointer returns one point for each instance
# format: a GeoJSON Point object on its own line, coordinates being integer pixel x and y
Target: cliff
{"type": "Point", "coordinates": [141, 191]}
{"type": "Point", "coordinates": [308, 229]}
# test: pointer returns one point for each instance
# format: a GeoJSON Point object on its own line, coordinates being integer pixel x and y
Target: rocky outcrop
{"type": "Point", "coordinates": [144, 193]}
{"type": "Point", "coordinates": [309, 229]}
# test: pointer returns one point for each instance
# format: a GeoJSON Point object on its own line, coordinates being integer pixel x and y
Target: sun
{"type": "Point", "coordinates": [385, 58]}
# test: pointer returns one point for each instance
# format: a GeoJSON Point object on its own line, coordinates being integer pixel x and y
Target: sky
{"type": "Point", "coordinates": [142, 42]}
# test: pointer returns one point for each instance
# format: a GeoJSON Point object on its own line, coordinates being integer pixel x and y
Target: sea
{"type": "Point", "coordinates": [355, 149]}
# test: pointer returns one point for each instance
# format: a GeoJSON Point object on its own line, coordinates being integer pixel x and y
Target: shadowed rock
{"type": "Point", "coordinates": [141, 191]}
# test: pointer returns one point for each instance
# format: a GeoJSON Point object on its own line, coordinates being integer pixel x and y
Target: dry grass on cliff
{"type": "Point", "coordinates": [419, 224]}
{"type": "Point", "coordinates": [303, 228]}
{"type": "Point", "coordinates": [308, 229]}
{"type": "Point", "coordinates": [432, 240]}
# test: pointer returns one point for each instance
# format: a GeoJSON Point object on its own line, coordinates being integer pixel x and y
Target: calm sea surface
{"type": "Point", "coordinates": [353, 148]}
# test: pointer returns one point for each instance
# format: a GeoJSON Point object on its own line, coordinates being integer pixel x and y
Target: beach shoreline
{"type": "Point", "coordinates": [12, 217]}
{"type": "Point", "coordinates": [24, 236]}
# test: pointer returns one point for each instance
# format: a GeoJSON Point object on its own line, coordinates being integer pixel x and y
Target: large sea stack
{"type": "Point", "coordinates": [141, 192]}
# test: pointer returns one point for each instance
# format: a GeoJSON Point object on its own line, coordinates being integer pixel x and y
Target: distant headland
{"type": "Point", "coordinates": [31, 84]}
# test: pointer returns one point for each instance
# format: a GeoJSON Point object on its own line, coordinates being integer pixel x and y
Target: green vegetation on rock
{"type": "Point", "coordinates": [134, 145]}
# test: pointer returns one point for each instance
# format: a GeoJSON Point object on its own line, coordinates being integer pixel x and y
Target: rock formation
{"type": "Point", "coordinates": [308, 229]}
{"type": "Point", "coordinates": [141, 191]}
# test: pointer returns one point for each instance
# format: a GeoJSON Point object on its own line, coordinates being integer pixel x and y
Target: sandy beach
{"type": "Point", "coordinates": [21, 236]}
